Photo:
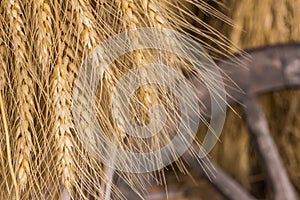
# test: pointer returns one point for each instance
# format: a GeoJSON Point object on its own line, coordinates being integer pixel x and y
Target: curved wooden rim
{"type": "Point", "coordinates": [266, 69]}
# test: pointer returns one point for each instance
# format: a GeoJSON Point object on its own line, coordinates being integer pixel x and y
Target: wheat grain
{"type": "Point", "coordinates": [153, 13]}
{"type": "Point", "coordinates": [2, 66]}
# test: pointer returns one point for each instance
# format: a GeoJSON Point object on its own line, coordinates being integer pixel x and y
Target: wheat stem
{"type": "Point", "coordinates": [109, 173]}
{"type": "Point", "coordinates": [9, 158]}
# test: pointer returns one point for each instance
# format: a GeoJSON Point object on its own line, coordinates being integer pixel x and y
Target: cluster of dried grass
{"type": "Point", "coordinates": [42, 45]}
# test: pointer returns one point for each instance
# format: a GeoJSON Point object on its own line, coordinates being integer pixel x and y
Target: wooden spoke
{"type": "Point", "coordinates": [227, 186]}
{"type": "Point", "coordinates": [279, 183]}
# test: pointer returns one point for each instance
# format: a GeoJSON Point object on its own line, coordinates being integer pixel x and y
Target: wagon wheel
{"type": "Point", "coordinates": [271, 68]}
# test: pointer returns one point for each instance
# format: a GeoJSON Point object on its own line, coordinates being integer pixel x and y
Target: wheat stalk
{"type": "Point", "coordinates": [4, 121]}
{"type": "Point", "coordinates": [8, 148]}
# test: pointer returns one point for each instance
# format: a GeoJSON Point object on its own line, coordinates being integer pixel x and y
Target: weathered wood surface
{"type": "Point", "coordinates": [266, 69]}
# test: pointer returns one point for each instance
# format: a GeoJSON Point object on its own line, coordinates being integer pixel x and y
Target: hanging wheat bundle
{"type": "Point", "coordinates": [67, 69]}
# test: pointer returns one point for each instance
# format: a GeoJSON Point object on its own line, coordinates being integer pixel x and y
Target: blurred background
{"type": "Point", "coordinates": [255, 23]}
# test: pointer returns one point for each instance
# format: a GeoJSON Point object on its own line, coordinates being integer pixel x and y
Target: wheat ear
{"type": "Point", "coordinates": [60, 95]}
{"type": "Point", "coordinates": [85, 26]}
{"type": "Point", "coordinates": [62, 76]}
{"type": "Point", "coordinates": [130, 20]}
{"type": "Point", "coordinates": [24, 94]}
{"type": "Point", "coordinates": [88, 41]}
{"type": "Point", "coordinates": [64, 73]}
{"type": "Point", "coordinates": [44, 43]}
